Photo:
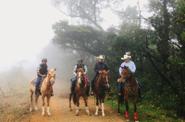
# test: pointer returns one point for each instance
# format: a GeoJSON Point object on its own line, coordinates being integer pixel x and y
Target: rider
{"type": "Point", "coordinates": [80, 64]}
{"type": "Point", "coordinates": [100, 65]}
{"type": "Point", "coordinates": [41, 74]}
{"type": "Point", "coordinates": [132, 67]}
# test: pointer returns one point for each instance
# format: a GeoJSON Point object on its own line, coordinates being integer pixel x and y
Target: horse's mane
{"type": "Point", "coordinates": [130, 79]}
{"type": "Point", "coordinates": [100, 76]}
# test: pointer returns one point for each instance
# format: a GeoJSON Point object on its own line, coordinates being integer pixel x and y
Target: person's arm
{"type": "Point", "coordinates": [38, 72]}
{"type": "Point", "coordinates": [96, 68]}
{"type": "Point", "coordinates": [106, 67]}
{"type": "Point", "coordinates": [133, 67]}
{"type": "Point", "coordinates": [85, 67]}
{"type": "Point", "coordinates": [46, 69]}
{"type": "Point", "coordinates": [74, 70]}
{"type": "Point", "coordinates": [121, 68]}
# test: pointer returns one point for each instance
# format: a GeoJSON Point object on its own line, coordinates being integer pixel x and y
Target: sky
{"type": "Point", "coordinates": [26, 28]}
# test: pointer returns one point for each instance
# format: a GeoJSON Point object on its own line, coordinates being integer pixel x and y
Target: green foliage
{"type": "Point", "coordinates": [159, 53]}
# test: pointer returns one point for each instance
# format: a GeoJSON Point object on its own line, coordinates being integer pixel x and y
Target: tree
{"type": "Point", "coordinates": [81, 38]}
{"type": "Point", "coordinates": [86, 10]}
{"type": "Point", "coordinates": [167, 59]}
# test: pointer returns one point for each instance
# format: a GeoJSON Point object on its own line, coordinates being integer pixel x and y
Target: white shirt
{"type": "Point", "coordinates": [130, 65]}
{"type": "Point", "coordinates": [74, 70]}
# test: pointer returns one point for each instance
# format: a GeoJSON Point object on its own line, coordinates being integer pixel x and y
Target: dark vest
{"type": "Point", "coordinates": [43, 69]}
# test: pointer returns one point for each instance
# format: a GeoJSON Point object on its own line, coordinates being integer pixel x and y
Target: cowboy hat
{"type": "Point", "coordinates": [126, 57]}
{"type": "Point", "coordinates": [101, 57]}
{"type": "Point", "coordinates": [128, 53]}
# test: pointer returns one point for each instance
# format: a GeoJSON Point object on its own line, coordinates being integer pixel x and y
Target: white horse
{"type": "Point", "coordinates": [46, 91]}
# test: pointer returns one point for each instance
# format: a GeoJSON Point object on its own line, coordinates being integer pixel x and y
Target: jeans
{"type": "Point", "coordinates": [38, 82]}
{"type": "Point", "coordinates": [37, 85]}
{"type": "Point", "coordinates": [120, 87]}
{"type": "Point", "coordinates": [92, 82]}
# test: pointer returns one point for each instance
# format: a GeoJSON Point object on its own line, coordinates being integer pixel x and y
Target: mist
{"type": "Point", "coordinates": [16, 79]}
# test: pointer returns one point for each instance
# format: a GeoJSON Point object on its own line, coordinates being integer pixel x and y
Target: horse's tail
{"type": "Point", "coordinates": [74, 98]}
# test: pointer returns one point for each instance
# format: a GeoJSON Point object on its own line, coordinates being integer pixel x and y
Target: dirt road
{"type": "Point", "coordinates": [61, 113]}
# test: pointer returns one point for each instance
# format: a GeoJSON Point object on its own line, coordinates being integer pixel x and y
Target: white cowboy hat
{"type": "Point", "coordinates": [126, 57]}
{"type": "Point", "coordinates": [101, 57]}
{"type": "Point", "coordinates": [128, 53]}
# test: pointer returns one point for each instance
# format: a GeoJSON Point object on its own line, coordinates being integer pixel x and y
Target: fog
{"type": "Point", "coordinates": [16, 79]}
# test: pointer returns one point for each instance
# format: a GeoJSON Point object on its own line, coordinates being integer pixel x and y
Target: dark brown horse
{"type": "Point", "coordinates": [130, 92]}
{"type": "Point", "coordinates": [101, 86]}
{"type": "Point", "coordinates": [80, 91]}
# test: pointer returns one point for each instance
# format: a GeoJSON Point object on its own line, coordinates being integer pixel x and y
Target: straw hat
{"type": "Point", "coordinates": [101, 57]}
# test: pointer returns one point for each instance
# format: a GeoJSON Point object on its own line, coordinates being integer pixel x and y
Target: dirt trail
{"type": "Point", "coordinates": [60, 113]}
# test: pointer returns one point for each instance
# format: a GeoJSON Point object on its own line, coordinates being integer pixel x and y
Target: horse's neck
{"type": "Point", "coordinates": [132, 80]}
{"type": "Point", "coordinates": [100, 80]}
{"type": "Point", "coordinates": [46, 80]}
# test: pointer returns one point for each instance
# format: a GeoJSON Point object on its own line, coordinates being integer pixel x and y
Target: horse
{"type": "Point", "coordinates": [81, 90]}
{"type": "Point", "coordinates": [130, 92]}
{"type": "Point", "coordinates": [101, 86]}
{"type": "Point", "coordinates": [46, 91]}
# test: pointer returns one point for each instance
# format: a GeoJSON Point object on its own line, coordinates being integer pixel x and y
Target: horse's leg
{"type": "Point", "coordinates": [97, 105]}
{"type": "Point", "coordinates": [48, 108]}
{"type": "Point", "coordinates": [43, 105]}
{"type": "Point", "coordinates": [119, 104]}
{"type": "Point", "coordinates": [136, 118]}
{"type": "Point", "coordinates": [70, 97]}
{"type": "Point", "coordinates": [31, 101]}
{"type": "Point", "coordinates": [86, 105]}
{"type": "Point", "coordinates": [36, 102]}
{"type": "Point", "coordinates": [126, 112]}
{"type": "Point", "coordinates": [77, 105]}
{"type": "Point", "coordinates": [102, 107]}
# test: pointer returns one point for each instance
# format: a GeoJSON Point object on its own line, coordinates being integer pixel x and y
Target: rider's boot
{"type": "Point", "coordinates": [73, 87]}
{"type": "Point", "coordinates": [139, 93]}
{"type": "Point", "coordinates": [52, 94]}
{"type": "Point", "coordinates": [37, 91]}
{"type": "Point", "coordinates": [88, 89]}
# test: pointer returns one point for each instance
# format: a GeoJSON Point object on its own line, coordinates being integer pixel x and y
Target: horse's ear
{"type": "Point", "coordinates": [55, 69]}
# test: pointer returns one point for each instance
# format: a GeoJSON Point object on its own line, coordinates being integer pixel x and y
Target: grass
{"type": "Point", "coordinates": [148, 112]}
{"type": "Point", "coordinates": [12, 108]}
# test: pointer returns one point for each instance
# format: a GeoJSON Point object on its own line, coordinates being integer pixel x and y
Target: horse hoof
{"type": "Point", "coordinates": [137, 121]}
{"type": "Point", "coordinates": [103, 115]}
{"type": "Point", "coordinates": [70, 109]}
{"type": "Point", "coordinates": [77, 114]}
{"type": "Point", "coordinates": [31, 109]}
{"type": "Point", "coordinates": [127, 120]}
{"type": "Point", "coordinates": [36, 109]}
{"type": "Point", "coordinates": [96, 114]}
{"type": "Point", "coordinates": [49, 114]}
{"type": "Point", "coordinates": [43, 114]}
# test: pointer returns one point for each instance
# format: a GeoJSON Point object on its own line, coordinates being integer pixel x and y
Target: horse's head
{"type": "Point", "coordinates": [80, 73]}
{"type": "Point", "coordinates": [104, 78]}
{"type": "Point", "coordinates": [126, 73]}
{"type": "Point", "coordinates": [51, 75]}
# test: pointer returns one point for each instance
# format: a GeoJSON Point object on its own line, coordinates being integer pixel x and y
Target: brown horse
{"type": "Point", "coordinates": [130, 92]}
{"type": "Point", "coordinates": [46, 91]}
{"type": "Point", "coordinates": [101, 86]}
{"type": "Point", "coordinates": [80, 91]}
